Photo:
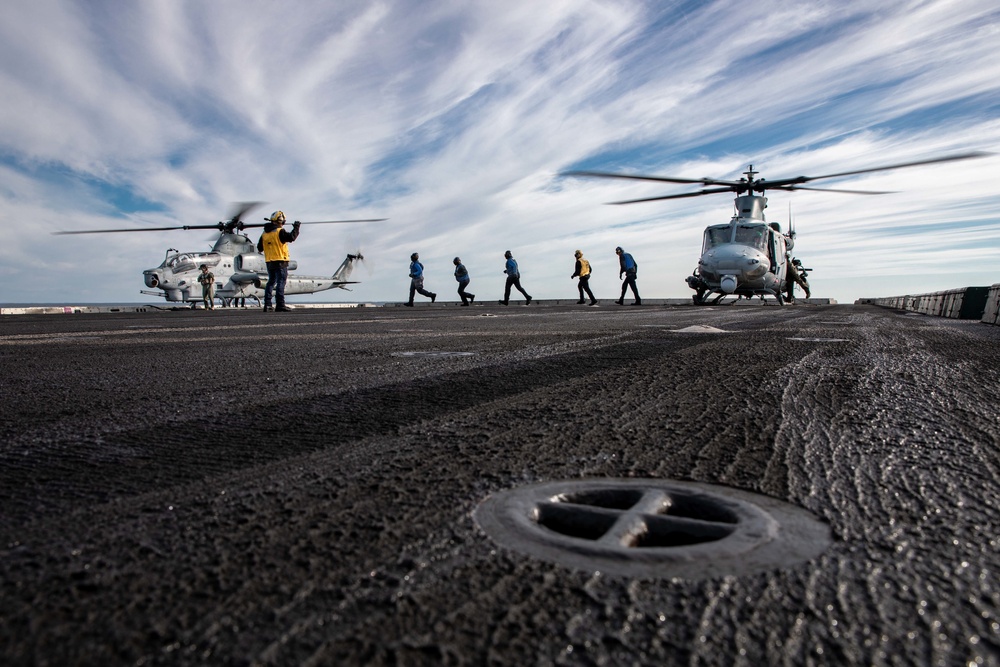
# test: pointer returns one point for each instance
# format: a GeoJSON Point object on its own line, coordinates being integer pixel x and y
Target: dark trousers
{"type": "Point", "coordinates": [516, 282]}
{"type": "Point", "coordinates": [277, 276]}
{"type": "Point", "coordinates": [462, 293]}
{"type": "Point", "coordinates": [417, 285]}
{"type": "Point", "coordinates": [630, 282]}
{"type": "Point", "coordinates": [584, 286]}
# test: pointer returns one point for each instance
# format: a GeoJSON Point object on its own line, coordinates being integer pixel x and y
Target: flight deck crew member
{"type": "Point", "coordinates": [417, 280]}
{"type": "Point", "coordinates": [627, 266]}
{"type": "Point", "coordinates": [796, 275]}
{"type": "Point", "coordinates": [513, 279]}
{"type": "Point", "coordinates": [583, 270]}
{"type": "Point", "coordinates": [274, 244]}
{"type": "Point", "coordinates": [207, 280]}
{"type": "Point", "coordinates": [462, 276]}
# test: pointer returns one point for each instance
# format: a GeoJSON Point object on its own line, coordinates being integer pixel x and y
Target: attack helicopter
{"type": "Point", "coordinates": [239, 269]}
{"type": "Point", "coordinates": [748, 256]}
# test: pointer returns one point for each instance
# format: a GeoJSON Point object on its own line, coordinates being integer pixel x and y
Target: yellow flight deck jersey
{"type": "Point", "coordinates": [584, 267]}
{"type": "Point", "coordinates": [274, 249]}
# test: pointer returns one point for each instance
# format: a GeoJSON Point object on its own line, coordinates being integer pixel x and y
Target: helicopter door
{"type": "Point", "coordinates": [772, 251]}
{"type": "Point", "coordinates": [776, 252]}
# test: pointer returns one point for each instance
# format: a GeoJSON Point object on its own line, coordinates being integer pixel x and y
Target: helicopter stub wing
{"type": "Point", "coordinates": [245, 278]}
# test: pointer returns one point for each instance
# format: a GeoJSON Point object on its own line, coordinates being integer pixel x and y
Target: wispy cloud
{"type": "Point", "coordinates": [454, 120]}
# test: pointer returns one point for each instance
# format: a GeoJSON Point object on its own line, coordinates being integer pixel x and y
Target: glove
{"type": "Point", "coordinates": [296, 224]}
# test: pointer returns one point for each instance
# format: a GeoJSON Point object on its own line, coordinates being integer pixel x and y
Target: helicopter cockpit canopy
{"type": "Point", "coordinates": [752, 235]}
{"type": "Point", "coordinates": [716, 235]}
{"type": "Point", "coordinates": [190, 261]}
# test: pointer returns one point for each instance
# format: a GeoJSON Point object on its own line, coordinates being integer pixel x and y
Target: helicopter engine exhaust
{"type": "Point", "coordinates": [728, 284]}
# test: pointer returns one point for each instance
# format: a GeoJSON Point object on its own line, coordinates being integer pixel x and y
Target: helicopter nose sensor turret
{"type": "Point", "coordinates": [728, 284]}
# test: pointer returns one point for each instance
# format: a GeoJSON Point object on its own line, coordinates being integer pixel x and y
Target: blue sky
{"type": "Point", "coordinates": [454, 120]}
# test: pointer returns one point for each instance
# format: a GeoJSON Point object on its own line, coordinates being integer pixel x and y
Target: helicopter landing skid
{"type": "Point", "coordinates": [704, 297]}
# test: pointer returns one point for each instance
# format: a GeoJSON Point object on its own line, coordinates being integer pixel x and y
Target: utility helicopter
{"type": "Point", "coordinates": [239, 269]}
{"type": "Point", "coordinates": [748, 256]}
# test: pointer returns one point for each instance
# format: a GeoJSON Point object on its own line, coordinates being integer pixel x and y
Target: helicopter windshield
{"type": "Point", "coordinates": [752, 235]}
{"type": "Point", "coordinates": [190, 260]}
{"type": "Point", "coordinates": [715, 236]}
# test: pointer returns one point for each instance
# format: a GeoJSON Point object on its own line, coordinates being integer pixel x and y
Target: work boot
{"type": "Point", "coordinates": [502, 302]}
{"type": "Point", "coordinates": [267, 308]}
{"type": "Point", "coordinates": [282, 309]}
{"type": "Point", "coordinates": [472, 297]}
{"type": "Point", "coordinates": [593, 302]}
{"type": "Point", "coordinates": [620, 302]}
{"type": "Point", "coordinates": [433, 296]}
{"type": "Point", "coordinates": [580, 302]}
{"type": "Point", "coordinates": [410, 304]}
{"type": "Point", "coordinates": [527, 301]}
{"type": "Point", "coordinates": [636, 303]}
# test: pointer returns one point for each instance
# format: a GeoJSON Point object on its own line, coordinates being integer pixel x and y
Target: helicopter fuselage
{"type": "Point", "coordinates": [239, 270]}
{"type": "Point", "coordinates": [746, 257]}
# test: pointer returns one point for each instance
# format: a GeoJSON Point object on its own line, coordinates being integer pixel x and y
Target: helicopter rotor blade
{"type": "Point", "coordinates": [337, 222]}
{"type": "Point", "coordinates": [848, 192]}
{"type": "Point", "coordinates": [661, 179]}
{"type": "Point", "coordinates": [242, 208]}
{"type": "Point", "coordinates": [142, 229]}
{"type": "Point", "coordinates": [683, 195]}
{"type": "Point", "coordinates": [948, 158]}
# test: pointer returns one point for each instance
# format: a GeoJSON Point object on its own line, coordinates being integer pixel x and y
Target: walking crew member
{"type": "Point", "coordinates": [207, 280]}
{"type": "Point", "coordinates": [627, 266]}
{"type": "Point", "coordinates": [513, 279]}
{"type": "Point", "coordinates": [274, 244]}
{"type": "Point", "coordinates": [796, 275]}
{"type": "Point", "coordinates": [417, 280]}
{"type": "Point", "coordinates": [462, 276]}
{"type": "Point", "coordinates": [583, 270]}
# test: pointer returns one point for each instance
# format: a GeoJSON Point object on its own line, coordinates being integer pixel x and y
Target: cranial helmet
{"type": "Point", "coordinates": [458, 260]}
{"type": "Point", "coordinates": [578, 254]}
{"type": "Point", "coordinates": [507, 254]}
{"type": "Point", "coordinates": [277, 216]}
{"type": "Point", "coordinates": [619, 249]}
{"type": "Point", "coordinates": [413, 257]}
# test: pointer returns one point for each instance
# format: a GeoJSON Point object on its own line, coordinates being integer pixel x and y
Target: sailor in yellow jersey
{"type": "Point", "coordinates": [583, 270]}
{"type": "Point", "coordinates": [274, 244]}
